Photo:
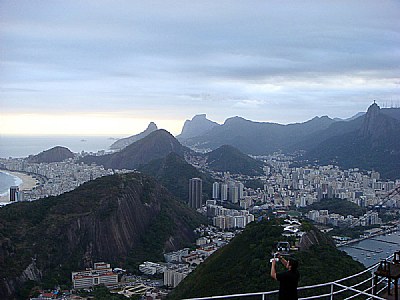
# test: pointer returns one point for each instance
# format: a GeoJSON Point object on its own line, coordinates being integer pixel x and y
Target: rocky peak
{"type": "Point", "coordinates": [378, 126]}
{"type": "Point", "coordinates": [197, 126]}
{"type": "Point", "coordinates": [371, 117]}
{"type": "Point", "coordinates": [122, 143]}
{"type": "Point", "coordinates": [152, 127]}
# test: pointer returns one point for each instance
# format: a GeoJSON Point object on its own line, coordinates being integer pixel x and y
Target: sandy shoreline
{"type": "Point", "coordinates": [28, 183]}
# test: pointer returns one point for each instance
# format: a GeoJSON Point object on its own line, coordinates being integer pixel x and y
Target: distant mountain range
{"type": "Point", "coordinates": [367, 140]}
{"type": "Point", "coordinates": [151, 154]}
{"type": "Point", "coordinates": [122, 219]}
{"type": "Point", "coordinates": [256, 138]}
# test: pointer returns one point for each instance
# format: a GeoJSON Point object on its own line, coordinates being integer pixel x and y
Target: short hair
{"type": "Point", "coordinates": [293, 263]}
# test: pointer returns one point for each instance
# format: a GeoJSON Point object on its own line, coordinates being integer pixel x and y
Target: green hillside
{"type": "Point", "coordinates": [337, 206]}
{"type": "Point", "coordinates": [174, 173]}
{"type": "Point", "coordinates": [243, 265]}
{"type": "Point", "coordinates": [228, 158]}
{"type": "Point", "coordinates": [121, 219]}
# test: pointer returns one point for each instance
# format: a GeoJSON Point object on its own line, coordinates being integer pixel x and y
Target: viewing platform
{"type": "Point", "coordinates": [372, 283]}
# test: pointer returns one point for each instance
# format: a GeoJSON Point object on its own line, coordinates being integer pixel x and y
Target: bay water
{"type": "Point", "coordinates": [6, 181]}
{"type": "Point", "coordinates": [371, 251]}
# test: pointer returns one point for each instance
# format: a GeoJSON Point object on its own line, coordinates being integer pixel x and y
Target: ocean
{"type": "Point", "coordinates": [373, 250]}
{"type": "Point", "coordinates": [6, 181]}
{"type": "Point", "coordinates": [23, 146]}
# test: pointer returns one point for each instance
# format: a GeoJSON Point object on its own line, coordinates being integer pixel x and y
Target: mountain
{"type": "Point", "coordinates": [359, 114]}
{"type": "Point", "coordinates": [372, 143]}
{"type": "Point", "coordinates": [55, 154]}
{"type": "Point", "coordinates": [174, 173]}
{"type": "Point", "coordinates": [122, 143]}
{"type": "Point", "coordinates": [315, 139]}
{"type": "Point", "coordinates": [243, 265]}
{"type": "Point", "coordinates": [258, 138]}
{"type": "Point", "coordinates": [392, 112]}
{"type": "Point", "coordinates": [122, 219]}
{"type": "Point", "coordinates": [228, 158]}
{"type": "Point", "coordinates": [157, 144]}
{"type": "Point", "coordinates": [195, 127]}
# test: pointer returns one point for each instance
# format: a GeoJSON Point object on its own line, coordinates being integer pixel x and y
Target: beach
{"type": "Point", "coordinates": [28, 183]}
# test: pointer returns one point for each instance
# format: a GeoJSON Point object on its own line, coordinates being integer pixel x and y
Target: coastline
{"type": "Point", "coordinates": [27, 184]}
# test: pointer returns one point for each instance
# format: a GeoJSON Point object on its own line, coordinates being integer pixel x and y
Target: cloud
{"type": "Point", "coordinates": [182, 57]}
{"type": "Point", "coordinates": [249, 104]}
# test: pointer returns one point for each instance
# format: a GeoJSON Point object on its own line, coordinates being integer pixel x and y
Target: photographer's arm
{"type": "Point", "coordinates": [273, 269]}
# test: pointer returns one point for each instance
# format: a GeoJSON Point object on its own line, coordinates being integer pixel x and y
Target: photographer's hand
{"type": "Point", "coordinates": [283, 261]}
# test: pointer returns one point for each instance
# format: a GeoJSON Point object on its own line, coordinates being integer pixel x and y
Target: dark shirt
{"type": "Point", "coordinates": [288, 285]}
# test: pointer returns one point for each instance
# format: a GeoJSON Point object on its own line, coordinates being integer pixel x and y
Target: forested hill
{"type": "Point", "coordinates": [243, 265]}
{"type": "Point", "coordinates": [228, 158]}
{"type": "Point", "coordinates": [156, 145]}
{"type": "Point", "coordinates": [55, 154]}
{"type": "Point", "coordinates": [121, 219]}
{"type": "Point", "coordinates": [174, 173]}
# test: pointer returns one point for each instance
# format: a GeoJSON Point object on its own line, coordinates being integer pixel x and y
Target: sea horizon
{"type": "Point", "coordinates": [18, 146]}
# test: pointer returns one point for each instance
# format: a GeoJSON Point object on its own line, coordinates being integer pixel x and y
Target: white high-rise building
{"type": "Point", "coordinates": [233, 192]}
{"type": "Point", "coordinates": [241, 190]}
{"type": "Point", "coordinates": [216, 191]}
{"type": "Point", "coordinates": [224, 192]}
{"type": "Point", "coordinates": [173, 276]}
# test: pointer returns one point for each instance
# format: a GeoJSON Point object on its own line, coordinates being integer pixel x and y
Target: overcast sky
{"type": "Point", "coordinates": [108, 67]}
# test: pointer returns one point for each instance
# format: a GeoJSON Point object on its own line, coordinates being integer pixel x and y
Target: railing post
{"type": "Point", "coordinates": [263, 296]}
{"type": "Point", "coordinates": [332, 291]}
{"type": "Point", "coordinates": [372, 282]}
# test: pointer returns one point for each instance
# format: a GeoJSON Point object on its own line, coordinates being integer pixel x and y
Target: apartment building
{"type": "Point", "coordinates": [100, 274]}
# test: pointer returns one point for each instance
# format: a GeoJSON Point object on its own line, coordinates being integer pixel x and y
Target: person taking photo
{"type": "Point", "coordinates": [288, 280]}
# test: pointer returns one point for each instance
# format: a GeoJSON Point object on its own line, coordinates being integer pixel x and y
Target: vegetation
{"type": "Point", "coordinates": [120, 219]}
{"type": "Point", "coordinates": [174, 173]}
{"type": "Point", "coordinates": [371, 146]}
{"type": "Point", "coordinates": [254, 184]}
{"type": "Point", "coordinates": [102, 293]}
{"type": "Point", "coordinates": [353, 232]}
{"type": "Point", "coordinates": [243, 265]}
{"type": "Point", "coordinates": [54, 154]}
{"type": "Point", "coordinates": [156, 145]}
{"type": "Point", "coordinates": [337, 206]}
{"type": "Point", "coordinates": [228, 158]}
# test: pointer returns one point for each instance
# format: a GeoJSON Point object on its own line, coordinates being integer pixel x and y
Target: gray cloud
{"type": "Point", "coordinates": [252, 58]}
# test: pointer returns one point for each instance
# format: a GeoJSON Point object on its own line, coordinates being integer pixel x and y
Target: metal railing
{"type": "Point", "coordinates": [355, 289]}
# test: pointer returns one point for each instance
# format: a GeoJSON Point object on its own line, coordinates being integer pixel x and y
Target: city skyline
{"type": "Point", "coordinates": [112, 67]}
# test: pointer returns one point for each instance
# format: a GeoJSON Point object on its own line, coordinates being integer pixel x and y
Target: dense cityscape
{"type": "Point", "coordinates": [168, 150]}
{"type": "Point", "coordinates": [231, 207]}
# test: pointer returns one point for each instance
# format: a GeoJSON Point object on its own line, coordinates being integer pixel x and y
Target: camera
{"type": "Point", "coordinates": [275, 258]}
